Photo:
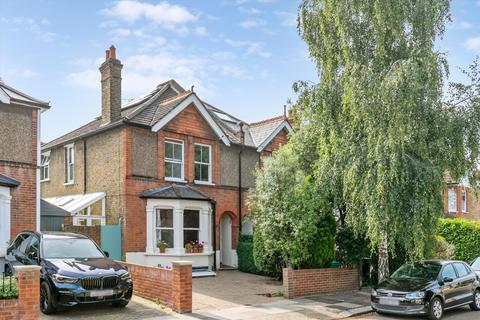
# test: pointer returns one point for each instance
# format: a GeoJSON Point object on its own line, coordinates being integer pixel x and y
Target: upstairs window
{"type": "Point", "coordinates": [69, 163]}
{"type": "Point", "coordinates": [464, 201]}
{"type": "Point", "coordinates": [203, 163]}
{"type": "Point", "coordinates": [45, 166]}
{"type": "Point", "coordinates": [452, 200]}
{"type": "Point", "coordinates": [173, 160]}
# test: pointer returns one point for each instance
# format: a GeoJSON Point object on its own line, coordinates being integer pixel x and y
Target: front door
{"type": "Point", "coordinates": [226, 258]}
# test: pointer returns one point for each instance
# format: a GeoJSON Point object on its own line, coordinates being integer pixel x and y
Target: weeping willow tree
{"type": "Point", "coordinates": [376, 121]}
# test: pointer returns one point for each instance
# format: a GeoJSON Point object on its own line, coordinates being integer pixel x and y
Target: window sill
{"type": "Point", "coordinates": [206, 183]}
{"type": "Point", "coordinates": [69, 183]}
{"type": "Point", "coordinates": [177, 254]}
{"type": "Point", "coordinates": [175, 180]}
{"type": "Point", "coordinates": [45, 180]}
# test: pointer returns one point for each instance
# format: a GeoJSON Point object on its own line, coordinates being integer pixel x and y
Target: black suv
{"type": "Point", "coordinates": [74, 270]}
{"type": "Point", "coordinates": [428, 288]}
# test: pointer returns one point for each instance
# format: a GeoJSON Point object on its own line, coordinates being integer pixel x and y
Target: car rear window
{"type": "Point", "coordinates": [461, 269]}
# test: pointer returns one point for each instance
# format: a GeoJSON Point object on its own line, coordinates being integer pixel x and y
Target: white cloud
{"type": "Point", "coordinates": [248, 10]}
{"type": "Point", "coordinates": [120, 32]}
{"type": "Point", "coordinates": [252, 48]}
{"type": "Point", "coordinates": [253, 23]}
{"type": "Point", "coordinates": [473, 44]}
{"type": "Point", "coordinates": [465, 25]}
{"type": "Point", "coordinates": [223, 55]}
{"type": "Point", "coordinates": [21, 73]}
{"type": "Point", "coordinates": [37, 28]}
{"type": "Point", "coordinates": [163, 13]}
{"type": "Point", "coordinates": [289, 19]}
{"type": "Point", "coordinates": [201, 31]}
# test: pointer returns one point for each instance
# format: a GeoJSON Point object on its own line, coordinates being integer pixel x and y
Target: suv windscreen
{"type": "Point", "coordinates": [70, 248]}
{"type": "Point", "coordinates": [418, 270]}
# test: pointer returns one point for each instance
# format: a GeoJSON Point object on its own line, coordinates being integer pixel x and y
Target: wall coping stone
{"type": "Point", "coordinates": [182, 263]}
{"type": "Point", "coordinates": [27, 268]}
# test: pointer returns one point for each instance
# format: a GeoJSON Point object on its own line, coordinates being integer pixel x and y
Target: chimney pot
{"type": "Point", "coordinates": [112, 52]}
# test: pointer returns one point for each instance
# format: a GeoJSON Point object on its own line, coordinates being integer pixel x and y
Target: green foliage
{"type": "Point", "coordinates": [441, 249]}
{"type": "Point", "coordinates": [381, 134]}
{"type": "Point", "coordinates": [294, 223]}
{"type": "Point", "coordinates": [351, 248]}
{"type": "Point", "coordinates": [464, 235]}
{"type": "Point", "coordinates": [245, 255]}
{"type": "Point", "coordinates": [8, 288]}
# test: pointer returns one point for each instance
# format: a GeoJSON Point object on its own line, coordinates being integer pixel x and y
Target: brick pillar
{"type": "Point", "coordinates": [182, 286]}
{"type": "Point", "coordinates": [288, 283]}
{"type": "Point", "coordinates": [28, 284]}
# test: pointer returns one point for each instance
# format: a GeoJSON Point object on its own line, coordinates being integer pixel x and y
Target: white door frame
{"type": "Point", "coordinates": [226, 254]}
{"type": "Point", "coordinates": [5, 199]}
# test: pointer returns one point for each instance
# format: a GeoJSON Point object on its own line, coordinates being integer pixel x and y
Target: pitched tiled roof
{"type": "Point", "coordinates": [6, 181]}
{"type": "Point", "coordinates": [151, 108]}
{"type": "Point", "coordinates": [263, 129]}
{"type": "Point", "coordinates": [175, 191]}
{"type": "Point", "coordinates": [18, 97]}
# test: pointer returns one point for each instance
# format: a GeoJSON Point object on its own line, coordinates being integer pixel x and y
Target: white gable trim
{"type": "Point", "coordinates": [203, 111]}
{"type": "Point", "coordinates": [283, 125]}
{"type": "Point", "coordinates": [4, 97]}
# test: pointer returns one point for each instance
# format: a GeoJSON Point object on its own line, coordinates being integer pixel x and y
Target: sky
{"type": "Point", "coordinates": [241, 55]}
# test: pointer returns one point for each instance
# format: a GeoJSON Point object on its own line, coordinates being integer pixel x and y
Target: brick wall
{"type": "Point", "coordinates": [23, 204]}
{"type": "Point", "coordinates": [171, 287]}
{"type": "Point", "coordinates": [304, 282]}
{"type": "Point", "coordinates": [27, 305]}
{"type": "Point", "coordinates": [93, 232]}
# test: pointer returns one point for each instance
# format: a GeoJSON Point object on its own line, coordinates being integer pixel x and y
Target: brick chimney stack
{"type": "Point", "coordinates": [111, 71]}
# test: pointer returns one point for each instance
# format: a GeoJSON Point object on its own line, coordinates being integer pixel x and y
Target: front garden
{"type": "Point", "coordinates": [8, 288]}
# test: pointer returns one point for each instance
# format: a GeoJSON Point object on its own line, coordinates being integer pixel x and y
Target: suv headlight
{"type": "Point", "coordinates": [415, 295]}
{"type": "Point", "coordinates": [64, 279]}
{"type": "Point", "coordinates": [374, 293]}
{"type": "Point", "coordinates": [125, 276]}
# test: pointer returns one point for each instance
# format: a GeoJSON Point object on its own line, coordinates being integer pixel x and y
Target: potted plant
{"type": "Point", "coordinates": [189, 247]}
{"type": "Point", "coordinates": [162, 245]}
{"type": "Point", "coordinates": [200, 246]}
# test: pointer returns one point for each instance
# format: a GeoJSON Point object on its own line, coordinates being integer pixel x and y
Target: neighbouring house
{"type": "Point", "coordinates": [19, 163]}
{"type": "Point", "coordinates": [461, 200]}
{"type": "Point", "coordinates": [167, 166]}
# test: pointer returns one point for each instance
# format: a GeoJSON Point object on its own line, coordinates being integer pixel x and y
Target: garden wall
{"type": "Point", "coordinates": [27, 305]}
{"type": "Point", "coordinates": [304, 282]}
{"type": "Point", "coordinates": [172, 287]}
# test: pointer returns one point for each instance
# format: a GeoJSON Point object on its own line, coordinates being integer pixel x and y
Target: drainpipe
{"type": "Point", "coordinates": [214, 244]}
{"type": "Point", "coordinates": [242, 141]}
{"type": "Point", "coordinates": [84, 166]}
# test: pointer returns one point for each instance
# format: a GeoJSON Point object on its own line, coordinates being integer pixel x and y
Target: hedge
{"type": "Point", "coordinates": [8, 288]}
{"type": "Point", "coordinates": [464, 235]}
{"type": "Point", "coordinates": [245, 255]}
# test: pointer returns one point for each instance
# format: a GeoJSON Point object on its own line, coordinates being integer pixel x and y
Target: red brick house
{"type": "Point", "coordinates": [168, 165]}
{"type": "Point", "coordinates": [461, 200]}
{"type": "Point", "coordinates": [19, 162]}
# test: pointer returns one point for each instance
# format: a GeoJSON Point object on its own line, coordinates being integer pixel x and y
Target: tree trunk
{"type": "Point", "coordinates": [383, 271]}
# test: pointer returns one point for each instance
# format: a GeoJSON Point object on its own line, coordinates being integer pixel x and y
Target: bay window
{"type": "Point", "coordinates": [191, 226]}
{"type": "Point", "coordinates": [173, 160]}
{"type": "Point", "coordinates": [203, 172]}
{"type": "Point", "coordinates": [164, 226]}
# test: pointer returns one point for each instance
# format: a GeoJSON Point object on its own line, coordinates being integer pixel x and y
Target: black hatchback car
{"type": "Point", "coordinates": [74, 270]}
{"type": "Point", "coordinates": [427, 288]}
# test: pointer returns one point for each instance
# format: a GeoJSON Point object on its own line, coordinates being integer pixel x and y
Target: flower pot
{"type": "Point", "coordinates": [188, 250]}
{"type": "Point", "coordinates": [200, 250]}
{"type": "Point", "coordinates": [162, 250]}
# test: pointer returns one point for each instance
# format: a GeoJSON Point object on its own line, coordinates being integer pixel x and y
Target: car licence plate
{"type": "Point", "coordinates": [101, 293]}
{"type": "Point", "coordinates": [389, 302]}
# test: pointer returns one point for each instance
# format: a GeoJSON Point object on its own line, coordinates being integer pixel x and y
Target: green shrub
{"type": "Point", "coordinates": [8, 288]}
{"type": "Point", "coordinates": [441, 249]}
{"type": "Point", "coordinates": [351, 248]}
{"type": "Point", "coordinates": [245, 255]}
{"type": "Point", "coordinates": [463, 235]}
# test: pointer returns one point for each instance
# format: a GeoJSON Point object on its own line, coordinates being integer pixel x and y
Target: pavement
{"type": "Point", "coordinates": [463, 313]}
{"type": "Point", "coordinates": [232, 295]}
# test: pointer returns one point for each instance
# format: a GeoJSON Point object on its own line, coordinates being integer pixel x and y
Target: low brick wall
{"type": "Point", "coordinates": [91, 231]}
{"type": "Point", "coordinates": [172, 287]}
{"type": "Point", "coordinates": [27, 305]}
{"type": "Point", "coordinates": [304, 282]}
